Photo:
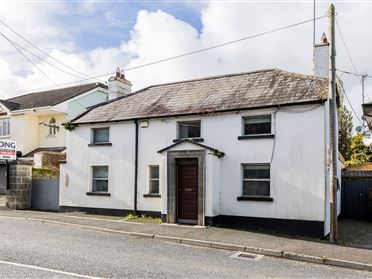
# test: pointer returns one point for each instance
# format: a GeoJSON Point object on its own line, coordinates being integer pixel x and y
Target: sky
{"type": "Point", "coordinates": [93, 38]}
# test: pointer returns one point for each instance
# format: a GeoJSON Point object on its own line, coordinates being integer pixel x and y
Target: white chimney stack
{"type": "Point", "coordinates": [321, 58]}
{"type": "Point", "coordinates": [118, 86]}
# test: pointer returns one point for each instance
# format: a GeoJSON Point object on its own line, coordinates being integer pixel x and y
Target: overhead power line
{"type": "Point", "coordinates": [360, 77]}
{"type": "Point", "coordinates": [203, 49]}
{"type": "Point", "coordinates": [351, 106]}
{"type": "Point", "coordinates": [37, 56]}
{"type": "Point", "coordinates": [355, 74]}
{"type": "Point", "coordinates": [44, 52]}
{"type": "Point", "coordinates": [29, 60]}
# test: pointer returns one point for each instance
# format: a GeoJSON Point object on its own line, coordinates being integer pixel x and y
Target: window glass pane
{"type": "Point", "coordinates": [256, 188]}
{"type": "Point", "coordinates": [258, 125]}
{"type": "Point", "coordinates": [100, 172]}
{"type": "Point", "coordinates": [154, 186]}
{"type": "Point", "coordinates": [100, 135]}
{"type": "Point", "coordinates": [6, 127]}
{"type": "Point", "coordinates": [190, 129]}
{"type": "Point", "coordinates": [100, 185]}
{"type": "Point", "coordinates": [252, 172]}
{"type": "Point", "coordinates": [154, 172]}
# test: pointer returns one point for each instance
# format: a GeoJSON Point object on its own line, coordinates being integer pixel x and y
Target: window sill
{"type": "Point", "coordinates": [193, 139]}
{"type": "Point", "coordinates": [100, 144]}
{"type": "Point", "coordinates": [149, 195]}
{"type": "Point", "coordinates": [254, 198]}
{"type": "Point", "coordinates": [98, 194]}
{"type": "Point", "coordinates": [263, 136]}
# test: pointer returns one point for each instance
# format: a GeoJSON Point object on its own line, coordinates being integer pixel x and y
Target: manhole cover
{"type": "Point", "coordinates": [247, 256]}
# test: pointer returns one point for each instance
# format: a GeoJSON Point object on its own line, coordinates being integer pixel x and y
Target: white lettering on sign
{"type": "Point", "coordinates": [8, 150]}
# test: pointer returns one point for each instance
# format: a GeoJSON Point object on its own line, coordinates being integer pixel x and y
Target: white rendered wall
{"type": "Point", "coordinates": [297, 168]}
{"type": "Point", "coordinates": [75, 180]}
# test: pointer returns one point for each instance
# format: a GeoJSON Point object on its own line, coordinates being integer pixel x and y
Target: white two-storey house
{"type": "Point", "coordinates": [246, 149]}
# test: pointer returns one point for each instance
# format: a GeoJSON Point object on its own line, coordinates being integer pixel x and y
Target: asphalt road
{"type": "Point", "coordinates": [31, 249]}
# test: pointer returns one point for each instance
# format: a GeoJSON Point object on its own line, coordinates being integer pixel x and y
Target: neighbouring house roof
{"type": "Point", "coordinates": [231, 92]}
{"type": "Point", "coordinates": [45, 149]}
{"type": "Point", "coordinates": [367, 112]}
{"type": "Point", "coordinates": [48, 98]}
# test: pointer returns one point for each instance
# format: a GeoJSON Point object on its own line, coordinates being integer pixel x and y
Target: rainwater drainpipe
{"type": "Point", "coordinates": [135, 167]}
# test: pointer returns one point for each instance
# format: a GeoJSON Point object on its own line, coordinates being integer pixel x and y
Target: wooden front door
{"type": "Point", "coordinates": [187, 187]}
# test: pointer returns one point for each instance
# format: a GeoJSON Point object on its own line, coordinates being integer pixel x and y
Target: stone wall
{"type": "Point", "coordinates": [20, 183]}
{"type": "Point", "coordinates": [48, 159]}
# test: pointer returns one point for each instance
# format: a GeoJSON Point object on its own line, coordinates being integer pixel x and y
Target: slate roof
{"type": "Point", "coordinates": [48, 98]}
{"type": "Point", "coordinates": [231, 92]}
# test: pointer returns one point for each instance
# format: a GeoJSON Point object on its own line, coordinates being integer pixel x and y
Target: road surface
{"type": "Point", "coordinates": [40, 250]}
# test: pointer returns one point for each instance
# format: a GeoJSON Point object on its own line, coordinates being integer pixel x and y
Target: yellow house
{"type": "Point", "coordinates": [35, 120]}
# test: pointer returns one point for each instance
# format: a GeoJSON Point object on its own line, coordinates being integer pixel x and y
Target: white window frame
{"type": "Point", "coordinates": [91, 172]}
{"type": "Point", "coordinates": [257, 116]}
{"type": "Point", "coordinates": [149, 179]}
{"type": "Point", "coordinates": [97, 128]}
{"type": "Point", "coordinates": [255, 179]}
{"type": "Point", "coordinates": [189, 120]}
{"type": "Point", "coordinates": [8, 134]}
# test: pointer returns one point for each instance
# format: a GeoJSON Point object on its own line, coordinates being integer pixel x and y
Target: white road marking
{"type": "Point", "coordinates": [49, 270]}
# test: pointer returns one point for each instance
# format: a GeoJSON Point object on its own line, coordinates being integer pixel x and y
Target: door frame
{"type": "Point", "coordinates": [172, 193]}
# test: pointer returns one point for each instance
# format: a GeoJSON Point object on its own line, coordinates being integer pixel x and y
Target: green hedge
{"type": "Point", "coordinates": [45, 173]}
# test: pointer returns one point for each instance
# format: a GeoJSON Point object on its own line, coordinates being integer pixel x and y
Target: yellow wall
{"type": "Point", "coordinates": [29, 135]}
{"type": "Point", "coordinates": [57, 140]}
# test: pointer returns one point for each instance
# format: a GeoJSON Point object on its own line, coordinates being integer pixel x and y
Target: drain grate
{"type": "Point", "coordinates": [247, 256]}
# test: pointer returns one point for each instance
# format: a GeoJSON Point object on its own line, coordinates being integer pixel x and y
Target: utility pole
{"type": "Point", "coordinates": [333, 125]}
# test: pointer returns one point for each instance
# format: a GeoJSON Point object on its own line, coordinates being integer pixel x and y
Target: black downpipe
{"type": "Point", "coordinates": [135, 168]}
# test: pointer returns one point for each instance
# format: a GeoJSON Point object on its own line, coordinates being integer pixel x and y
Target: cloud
{"type": "Point", "coordinates": [157, 35]}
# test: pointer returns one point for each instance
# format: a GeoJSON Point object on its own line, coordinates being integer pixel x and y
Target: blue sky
{"type": "Point", "coordinates": [107, 24]}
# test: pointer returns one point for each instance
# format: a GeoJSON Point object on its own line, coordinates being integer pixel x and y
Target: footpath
{"type": "Point", "coordinates": [309, 250]}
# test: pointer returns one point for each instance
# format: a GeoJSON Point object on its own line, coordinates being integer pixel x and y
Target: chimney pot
{"type": "Point", "coordinates": [324, 39]}
{"type": "Point", "coordinates": [122, 75]}
{"type": "Point", "coordinates": [117, 72]}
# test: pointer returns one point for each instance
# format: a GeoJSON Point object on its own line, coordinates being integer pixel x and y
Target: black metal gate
{"type": "Point", "coordinates": [356, 194]}
{"type": "Point", "coordinates": [3, 179]}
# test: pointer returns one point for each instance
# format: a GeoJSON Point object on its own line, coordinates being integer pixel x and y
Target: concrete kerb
{"type": "Point", "coordinates": [218, 245]}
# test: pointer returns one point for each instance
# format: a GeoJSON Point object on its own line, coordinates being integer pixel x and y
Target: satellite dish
{"type": "Point", "coordinates": [359, 129]}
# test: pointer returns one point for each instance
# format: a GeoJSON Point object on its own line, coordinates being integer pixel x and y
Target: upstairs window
{"type": "Point", "coordinates": [188, 129]}
{"type": "Point", "coordinates": [52, 126]}
{"type": "Point", "coordinates": [4, 127]}
{"type": "Point", "coordinates": [258, 125]}
{"type": "Point", "coordinates": [256, 180]}
{"type": "Point", "coordinates": [154, 180]}
{"type": "Point", "coordinates": [100, 179]}
{"type": "Point", "coordinates": [100, 135]}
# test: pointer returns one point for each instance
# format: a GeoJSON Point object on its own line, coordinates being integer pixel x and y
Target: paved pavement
{"type": "Point", "coordinates": [2, 200]}
{"type": "Point", "coordinates": [232, 236]}
{"type": "Point", "coordinates": [44, 250]}
{"type": "Point", "coordinates": [356, 233]}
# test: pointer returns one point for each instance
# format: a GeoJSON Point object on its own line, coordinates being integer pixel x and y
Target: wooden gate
{"type": "Point", "coordinates": [356, 194]}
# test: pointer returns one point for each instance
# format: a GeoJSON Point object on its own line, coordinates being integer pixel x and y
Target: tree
{"type": "Point", "coordinates": [359, 152]}
{"type": "Point", "coordinates": [345, 127]}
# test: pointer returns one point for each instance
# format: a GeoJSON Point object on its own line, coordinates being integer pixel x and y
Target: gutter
{"type": "Point", "coordinates": [135, 167]}
{"type": "Point", "coordinates": [37, 109]}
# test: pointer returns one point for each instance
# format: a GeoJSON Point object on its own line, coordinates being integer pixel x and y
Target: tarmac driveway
{"type": "Point", "coordinates": [356, 233]}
